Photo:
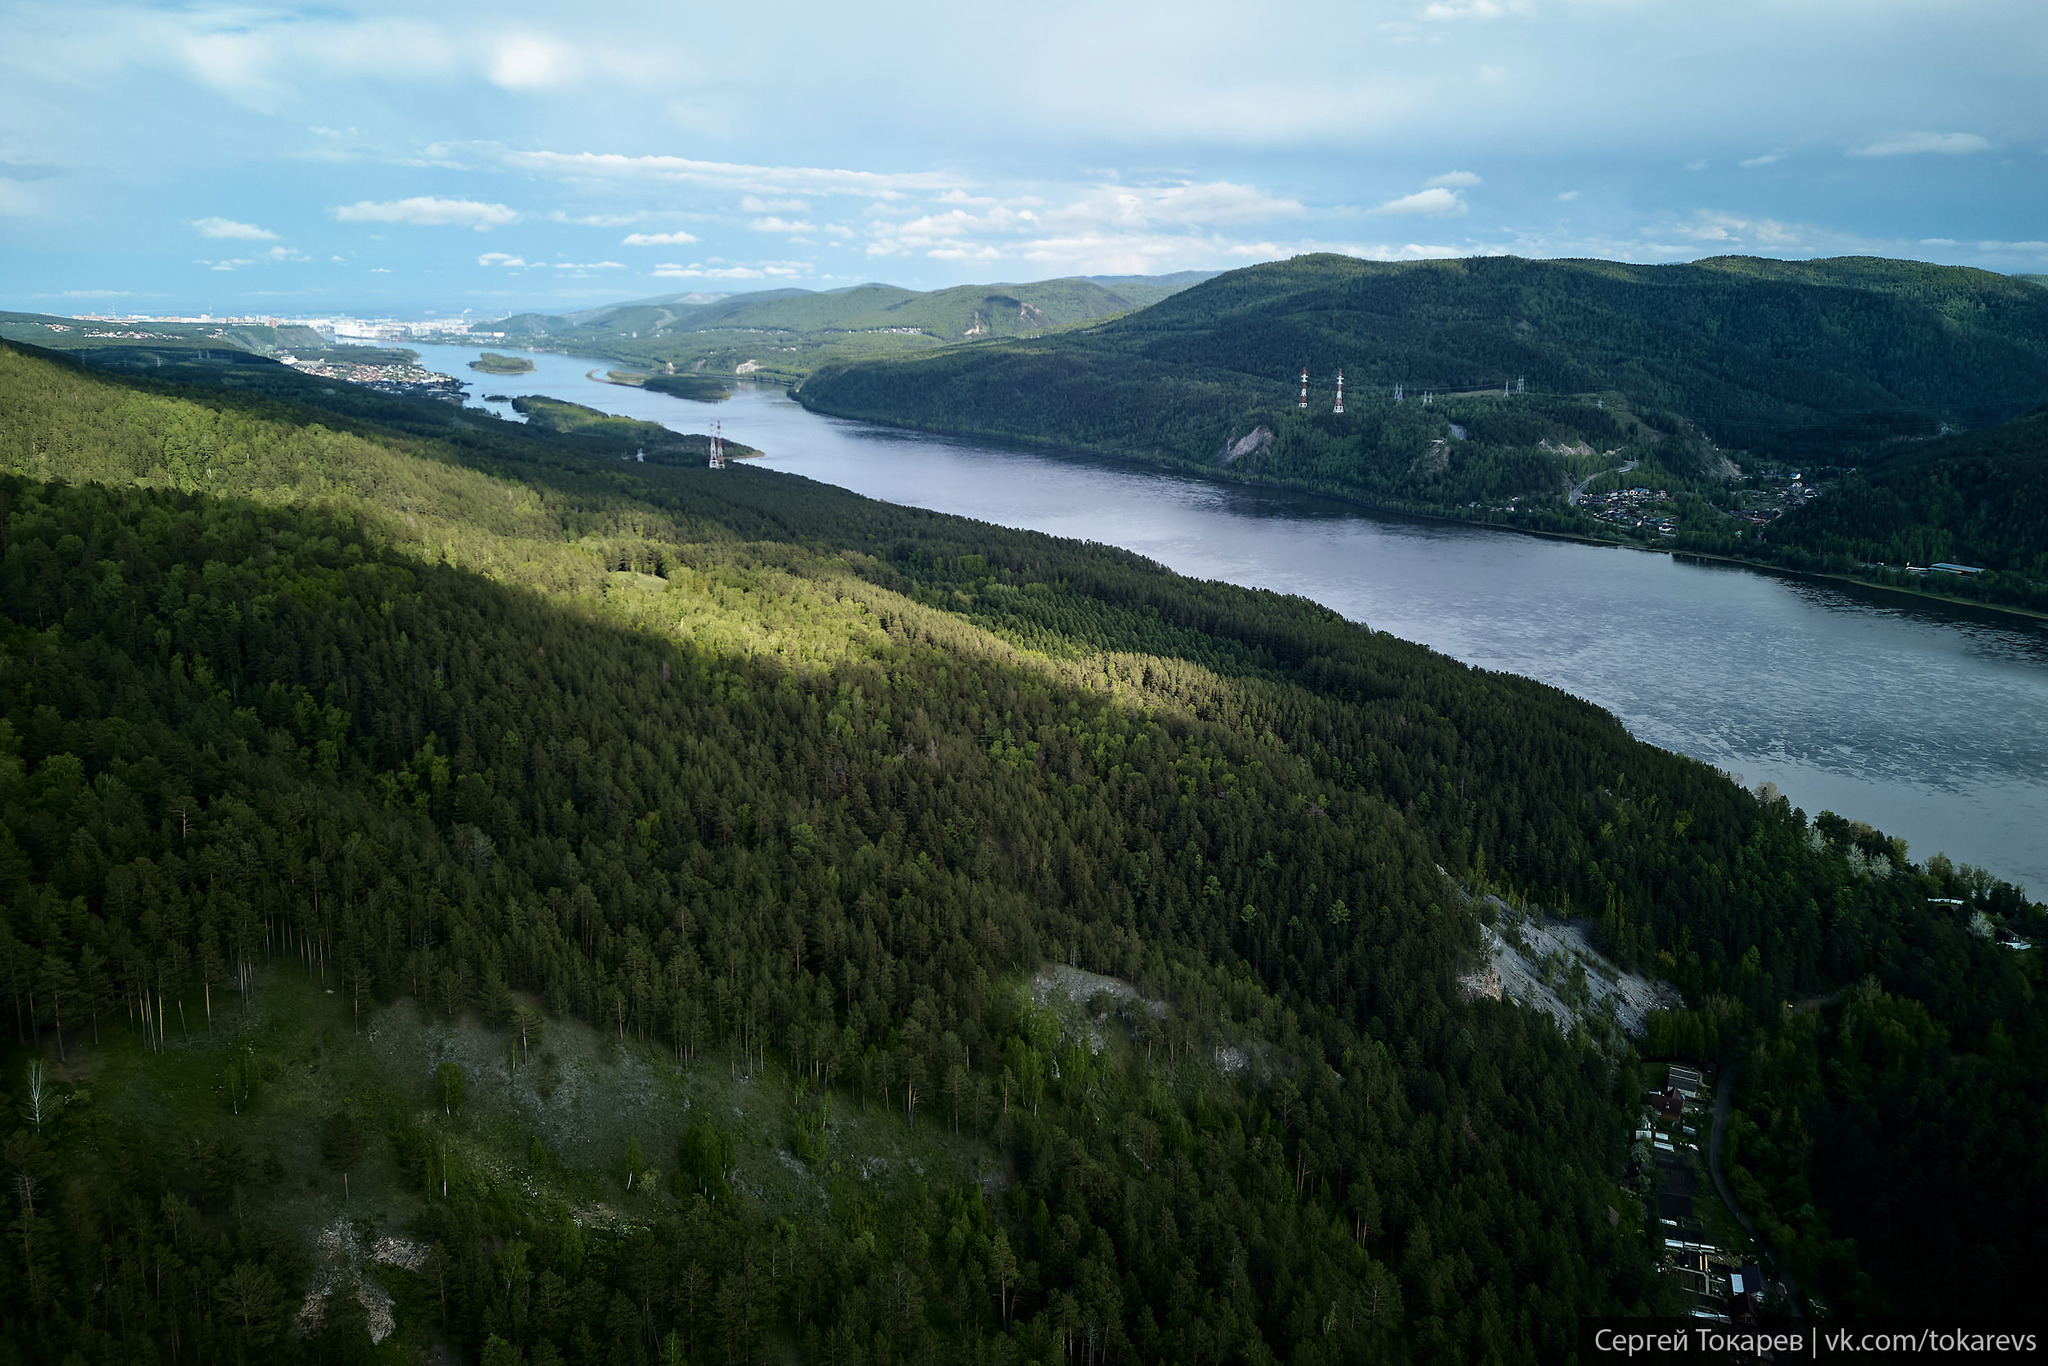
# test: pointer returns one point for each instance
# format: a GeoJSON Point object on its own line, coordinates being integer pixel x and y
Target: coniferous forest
{"type": "Point", "coordinates": [329, 733]}
{"type": "Point", "coordinates": [1492, 388]}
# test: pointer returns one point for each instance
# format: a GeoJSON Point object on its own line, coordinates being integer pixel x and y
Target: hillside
{"type": "Point", "coordinates": [1766, 357]}
{"type": "Point", "coordinates": [621, 438]}
{"type": "Point", "coordinates": [1976, 498]}
{"type": "Point", "coordinates": [786, 333]}
{"type": "Point", "coordinates": [144, 343]}
{"type": "Point", "coordinates": [596, 906]}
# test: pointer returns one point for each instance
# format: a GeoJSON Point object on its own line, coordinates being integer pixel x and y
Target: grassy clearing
{"type": "Point", "coordinates": [553, 1125]}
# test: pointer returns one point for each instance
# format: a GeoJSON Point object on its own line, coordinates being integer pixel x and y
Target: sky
{"type": "Point", "coordinates": [448, 158]}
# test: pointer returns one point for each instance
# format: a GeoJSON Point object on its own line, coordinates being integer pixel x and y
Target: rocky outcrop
{"type": "Point", "coordinates": [1257, 441]}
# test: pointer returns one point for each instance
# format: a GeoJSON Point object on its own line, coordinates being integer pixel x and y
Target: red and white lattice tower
{"type": "Point", "coordinates": [1304, 390]}
{"type": "Point", "coordinates": [1340, 393]}
{"type": "Point", "coordinates": [717, 446]}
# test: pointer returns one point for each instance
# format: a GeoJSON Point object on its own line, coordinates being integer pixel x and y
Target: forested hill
{"type": "Point", "coordinates": [316, 734]}
{"type": "Point", "coordinates": [1766, 356]}
{"type": "Point", "coordinates": [785, 333]}
{"type": "Point", "coordinates": [1976, 498]}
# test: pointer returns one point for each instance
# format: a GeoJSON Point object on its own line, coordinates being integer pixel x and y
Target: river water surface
{"type": "Point", "coordinates": [1928, 721]}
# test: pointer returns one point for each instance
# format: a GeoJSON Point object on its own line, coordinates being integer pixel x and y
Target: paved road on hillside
{"type": "Point", "coordinates": [1578, 490]}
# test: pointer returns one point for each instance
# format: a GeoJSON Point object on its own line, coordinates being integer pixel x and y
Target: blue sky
{"type": "Point", "coordinates": [399, 158]}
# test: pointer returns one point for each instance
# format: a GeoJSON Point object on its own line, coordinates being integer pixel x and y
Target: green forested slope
{"type": "Point", "coordinates": [789, 332]}
{"type": "Point", "coordinates": [734, 764]}
{"type": "Point", "coordinates": [1766, 356]}
{"type": "Point", "coordinates": [1977, 498]}
{"type": "Point", "coordinates": [173, 340]}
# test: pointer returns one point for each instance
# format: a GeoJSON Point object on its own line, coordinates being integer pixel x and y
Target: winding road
{"type": "Point", "coordinates": [1724, 1096]}
{"type": "Point", "coordinates": [1571, 500]}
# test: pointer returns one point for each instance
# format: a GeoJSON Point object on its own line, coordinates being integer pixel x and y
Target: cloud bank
{"type": "Point", "coordinates": [426, 211]}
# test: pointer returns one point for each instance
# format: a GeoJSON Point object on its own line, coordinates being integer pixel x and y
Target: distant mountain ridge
{"type": "Point", "coordinates": [1497, 389]}
{"type": "Point", "coordinates": [1758, 353]}
{"type": "Point", "coordinates": [788, 332]}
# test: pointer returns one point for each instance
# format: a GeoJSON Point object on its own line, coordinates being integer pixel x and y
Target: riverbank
{"type": "Point", "coordinates": [1431, 512]}
{"type": "Point", "coordinates": [1786, 571]}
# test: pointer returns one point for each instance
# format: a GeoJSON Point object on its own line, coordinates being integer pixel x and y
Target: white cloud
{"type": "Point", "coordinates": [1913, 144]}
{"type": "Point", "coordinates": [782, 225]}
{"type": "Point", "coordinates": [590, 265]}
{"type": "Point", "coordinates": [755, 204]}
{"type": "Point", "coordinates": [1568, 196]}
{"type": "Point", "coordinates": [531, 61]}
{"type": "Point", "coordinates": [500, 258]}
{"type": "Point", "coordinates": [275, 254]}
{"type": "Point", "coordinates": [698, 271]}
{"type": "Point", "coordinates": [1410, 251]}
{"type": "Point", "coordinates": [1456, 180]}
{"type": "Point", "coordinates": [427, 211]}
{"type": "Point", "coordinates": [22, 201]}
{"type": "Point", "coordinates": [1101, 228]}
{"type": "Point", "coordinates": [1443, 10]}
{"type": "Point", "coordinates": [659, 239]}
{"type": "Point", "coordinates": [1729, 230]}
{"type": "Point", "coordinates": [2033, 249]}
{"type": "Point", "coordinates": [265, 57]}
{"type": "Point", "coordinates": [1435, 202]}
{"type": "Point", "coordinates": [1137, 253]}
{"type": "Point", "coordinates": [761, 180]}
{"type": "Point", "coordinates": [229, 228]}
{"type": "Point", "coordinates": [1751, 163]}
{"type": "Point", "coordinates": [1098, 228]}
{"type": "Point", "coordinates": [1188, 203]}
{"type": "Point", "coordinates": [599, 220]}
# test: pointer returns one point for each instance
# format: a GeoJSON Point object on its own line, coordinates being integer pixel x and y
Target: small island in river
{"type": "Point", "coordinates": [701, 388]}
{"type": "Point", "coordinates": [491, 363]}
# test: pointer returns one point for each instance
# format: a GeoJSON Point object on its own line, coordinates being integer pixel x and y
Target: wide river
{"type": "Point", "coordinates": [1928, 721]}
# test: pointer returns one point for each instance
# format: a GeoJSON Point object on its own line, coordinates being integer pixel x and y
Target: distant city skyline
{"type": "Point", "coordinates": [384, 158]}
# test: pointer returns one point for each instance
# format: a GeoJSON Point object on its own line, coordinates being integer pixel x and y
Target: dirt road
{"type": "Point", "coordinates": [1724, 1095]}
